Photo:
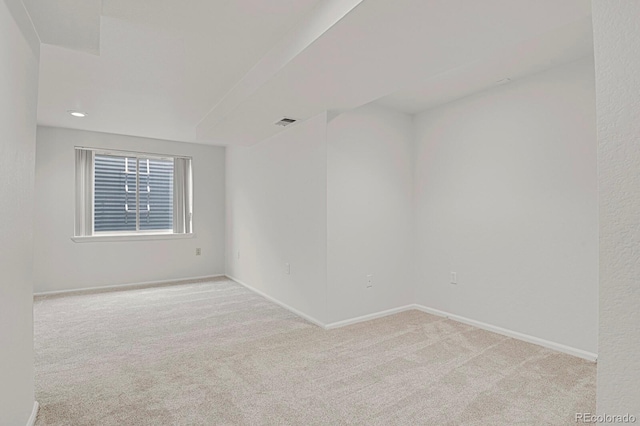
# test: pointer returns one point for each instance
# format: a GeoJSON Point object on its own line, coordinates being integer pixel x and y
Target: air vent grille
{"type": "Point", "coordinates": [285, 122]}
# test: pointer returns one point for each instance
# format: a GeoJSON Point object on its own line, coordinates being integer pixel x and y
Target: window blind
{"type": "Point", "coordinates": [122, 183]}
{"type": "Point", "coordinates": [132, 193]}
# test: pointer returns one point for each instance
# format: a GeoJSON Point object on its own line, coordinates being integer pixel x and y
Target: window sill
{"type": "Point", "coordinates": [130, 237]}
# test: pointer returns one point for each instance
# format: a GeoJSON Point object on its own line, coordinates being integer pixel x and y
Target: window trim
{"type": "Point", "coordinates": [116, 237]}
{"type": "Point", "coordinates": [137, 235]}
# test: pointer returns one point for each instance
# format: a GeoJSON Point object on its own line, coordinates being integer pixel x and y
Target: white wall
{"type": "Point", "coordinates": [506, 196]}
{"type": "Point", "coordinates": [61, 264]}
{"type": "Point", "coordinates": [276, 212]}
{"type": "Point", "coordinates": [19, 53]}
{"type": "Point", "coordinates": [617, 43]}
{"type": "Point", "coordinates": [369, 211]}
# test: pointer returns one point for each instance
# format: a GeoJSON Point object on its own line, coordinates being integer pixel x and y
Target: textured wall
{"type": "Point", "coordinates": [277, 214]}
{"type": "Point", "coordinates": [506, 196]}
{"type": "Point", "coordinates": [18, 99]}
{"type": "Point", "coordinates": [616, 26]}
{"type": "Point", "coordinates": [61, 264]}
{"type": "Point", "coordinates": [369, 211]}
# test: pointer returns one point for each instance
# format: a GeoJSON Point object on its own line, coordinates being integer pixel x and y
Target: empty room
{"type": "Point", "coordinates": [319, 212]}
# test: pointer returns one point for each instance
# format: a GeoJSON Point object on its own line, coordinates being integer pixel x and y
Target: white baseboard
{"type": "Point", "coordinates": [514, 334]}
{"type": "Point", "coordinates": [505, 332]}
{"type": "Point", "coordinates": [369, 317]}
{"type": "Point", "coordinates": [34, 414]}
{"type": "Point", "coordinates": [277, 302]}
{"type": "Point", "coordinates": [131, 286]}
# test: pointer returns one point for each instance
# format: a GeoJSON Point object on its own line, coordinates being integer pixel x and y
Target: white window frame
{"type": "Point", "coordinates": [137, 235]}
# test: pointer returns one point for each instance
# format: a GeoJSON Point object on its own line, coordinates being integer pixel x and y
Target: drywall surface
{"type": "Point", "coordinates": [277, 215]}
{"type": "Point", "coordinates": [62, 264]}
{"type": "Point", "coordinates": [617, 43]}
{"type": "Point", "coordinates": [506, 197]}
{"type": "Point", "coordinates": [18, 104]}
{"type": "Point", "coordinates": [369, 212]}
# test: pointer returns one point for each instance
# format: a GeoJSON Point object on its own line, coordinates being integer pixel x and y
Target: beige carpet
{"type": "Point", "coordinates": [215, 353]}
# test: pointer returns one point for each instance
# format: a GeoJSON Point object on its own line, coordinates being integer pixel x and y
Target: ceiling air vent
{"type": "Point", "coordinates": [285, 122]}
{"type": "Point", "coordinates": [503, 81]}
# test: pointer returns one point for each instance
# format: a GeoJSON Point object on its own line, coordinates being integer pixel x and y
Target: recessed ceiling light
{"type": "Point", "coordinates": [78, 114]}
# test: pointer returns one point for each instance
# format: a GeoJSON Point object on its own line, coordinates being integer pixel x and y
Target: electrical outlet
{"type": "Point", "coordinates": [454, 278]}
{"type": "Point", "coordinates": [287, 268]}
{"type": "Point", "coordinates": [198, 251]}
{"type": "Point", "coordinates": [369, 280]}
{"type": "Point", "coordinates": [238, 255]}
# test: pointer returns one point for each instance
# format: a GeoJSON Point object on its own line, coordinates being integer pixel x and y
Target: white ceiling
{"type": "Point", "coordinates": [563, 45]}
{"type": "Point", "coordinates": [223, 72]}
{"type": "Point", "coordinates": [74, 24]}
{"type": "Point", "coordinates": [163, 64]}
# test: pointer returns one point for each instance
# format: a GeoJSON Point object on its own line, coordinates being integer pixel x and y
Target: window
{"type": "Point", "coordinates": [132, 194]}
